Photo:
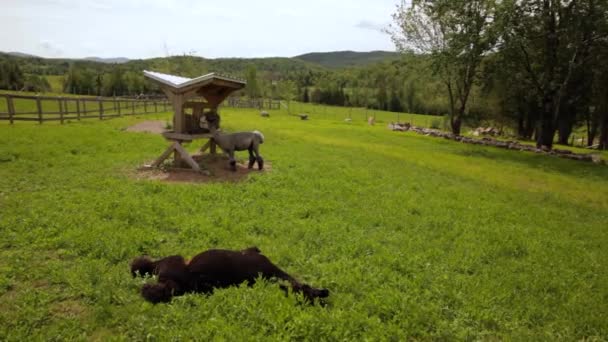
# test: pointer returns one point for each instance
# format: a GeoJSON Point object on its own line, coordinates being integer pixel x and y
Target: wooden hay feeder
{"type": "Point", "coordinates": [192, 99]}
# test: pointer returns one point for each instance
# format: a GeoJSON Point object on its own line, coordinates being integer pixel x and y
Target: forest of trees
{"type": "Point", "coordinates": [542, 61]}
{"type": "Point", "coordinates": [537, 66]}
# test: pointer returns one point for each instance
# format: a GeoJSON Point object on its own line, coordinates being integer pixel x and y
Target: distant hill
{"type": "Point", "coordinates": [346, 59]}
{"type": "Point", "coordinates": [189, 66]}
{"type": "Point", "coordinates": [315, 60]}
{"type": "Point", "coordinates": [21, 54]}
{"type": "Point", "coordinates": [116, 60]}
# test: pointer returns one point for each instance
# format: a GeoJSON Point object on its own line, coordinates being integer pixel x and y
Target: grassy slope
{"type": "Point", "coordinates": [414, 236]}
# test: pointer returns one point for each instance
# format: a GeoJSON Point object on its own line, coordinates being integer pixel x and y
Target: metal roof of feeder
{"type": "Point", "coordinates": [213, 88]}
{"type": "Point", "coordinates": [179, 82]}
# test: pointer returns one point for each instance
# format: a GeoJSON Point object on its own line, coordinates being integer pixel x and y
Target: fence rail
{"type": "Point", "coordinates": [253, 103]}
{"type": "Point", "coordinates": [18, 107]}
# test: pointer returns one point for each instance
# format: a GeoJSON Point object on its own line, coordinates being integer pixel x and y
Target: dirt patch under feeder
{"type": "Point", "coordinates": [216, 168]}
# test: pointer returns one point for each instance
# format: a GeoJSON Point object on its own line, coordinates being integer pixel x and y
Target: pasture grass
{"type": "Point", "coordinates": [338, 113]}
{"type": "Point", "coordinates": [415, 237]}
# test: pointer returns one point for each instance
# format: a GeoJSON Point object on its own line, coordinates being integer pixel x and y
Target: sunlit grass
{"type": "Point", "coordinates": [416, 237]}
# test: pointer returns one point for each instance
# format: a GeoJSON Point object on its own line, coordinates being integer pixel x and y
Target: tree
{"type": "Point", "coordinates": [600, 97]}
{"type": "Point", "coordinates": [305, 97]}
{"type": "Point", "coordinates": [36, 83]}
{"type": "Point", "coordinates": [11, 75]}
{"type": "Point", "coordinates": [395, 102]}
{"type": "Point", "coordinates": [456, 34]}
{"type": "Point", "coordinates": [410, 97]}
{"type": "Point", "coordinates": [116, 83]}
{"type": "Point", "coordinates": [315, 96]}
{"type": "Point", "coordinates": [288, 90]}
{"type": "Point", "coordinates": [554, 39]}
{"type": "Point", "coordinates": [252, 90]}
{"type": "Point", "coordinates": [99, 80]}
{"type": "Point", "coordinates": [382, 92]}
{"type": "Point", "coordinates": [72, 79]}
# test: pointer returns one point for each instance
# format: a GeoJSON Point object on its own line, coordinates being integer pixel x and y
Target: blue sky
{"type": "Point", "coordinates": [229, 28]}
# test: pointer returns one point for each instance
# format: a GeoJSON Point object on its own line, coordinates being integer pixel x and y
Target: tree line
{"type": "Point", "coordinates": [13, 78]}
{"type": "Point", "coordinates": [542, 61]}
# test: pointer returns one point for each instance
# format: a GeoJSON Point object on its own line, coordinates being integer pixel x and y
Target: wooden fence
{"type": "Point", "coordinates": [17, 107]}
{"type": "Point", "coordinates": [14, 107]}
{"type": "Point", "coordinates": [252, 103]}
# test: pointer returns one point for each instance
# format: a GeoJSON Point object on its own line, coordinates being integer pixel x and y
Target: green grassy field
{"type": "Point", "coordinates": [415, 237]}
{"type": "Point", "coordinates": [361, 115]}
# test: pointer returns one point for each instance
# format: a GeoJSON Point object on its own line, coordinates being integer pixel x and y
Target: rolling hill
{"type": "Point", "coordinates": [115, 60]}
{"type": "Point", "coordinates": [346, 59]}
{"type": "Point", "coordinates": [315, 60]}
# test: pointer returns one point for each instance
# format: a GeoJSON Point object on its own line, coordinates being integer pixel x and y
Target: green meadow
{"type": "Point", "coordinates": [416, 238]}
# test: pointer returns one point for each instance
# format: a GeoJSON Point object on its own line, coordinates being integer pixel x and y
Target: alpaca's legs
{"type": "Point", "coordinates": [260, 160]}
{"type": "Point", "coordinates": [252, 158]}
{"type": "Point", "coordinates": [310, 293]}
{"type": "Point", "coordinates": [232, 160]}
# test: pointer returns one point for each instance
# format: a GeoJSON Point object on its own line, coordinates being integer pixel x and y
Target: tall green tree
{"type": "Point", "coordinates": [456, 34]}
{"type": "Point", "coordinates": [553, 40]}
{"type": "Point", "coordinates": [288, 91]}
{"type": "Point", "coordinates": [252, 90]}
{"type": "Point", "coordinates": [11, 75]}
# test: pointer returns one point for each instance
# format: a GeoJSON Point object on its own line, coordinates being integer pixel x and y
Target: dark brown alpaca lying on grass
{"type": "Point", "coordinates": [215, 268]}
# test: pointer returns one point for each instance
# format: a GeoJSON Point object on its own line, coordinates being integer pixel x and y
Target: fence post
{"type": "Point", "coordinates": [145, 106]}
{"type": "Point", "coordinates": [66, 108]}
{"type": "Point", "coordinates": [60, 103]}
{"type": "Point", "coordinates": [132, 107]}
{"type": "Point", "coordinates": [119, 111]}
{"type": "Point", "coordinates": [11, 108]}
{"type": "Point", "coordinates": [78, 109]}
{"type": "Point", "coordinates": [155, 107]}
{"type": "Point", "coordinates": [100, 108]}
{"type": "Point", "coordinates": [39, 107]}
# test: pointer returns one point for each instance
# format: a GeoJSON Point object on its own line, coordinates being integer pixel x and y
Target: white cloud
{"type": "Point", "coordinates": [370, 25]}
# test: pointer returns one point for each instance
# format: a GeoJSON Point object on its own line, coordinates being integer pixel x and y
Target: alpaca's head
{"type": "Point", "coordinates": [210, 121]}
{"type": "Point", "coordinates": [157, 293]}
{"type": "Point", "coordinates": [141, 266]}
